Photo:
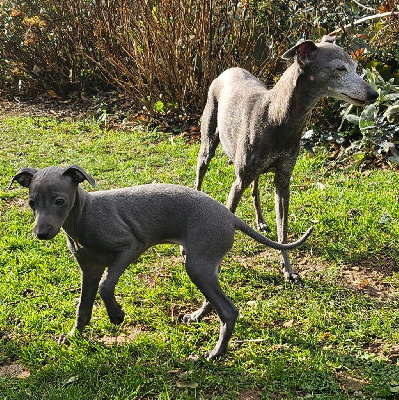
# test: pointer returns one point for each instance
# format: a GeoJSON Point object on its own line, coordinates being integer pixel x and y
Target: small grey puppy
{"type": "Point", "coordinates": [113, 228]}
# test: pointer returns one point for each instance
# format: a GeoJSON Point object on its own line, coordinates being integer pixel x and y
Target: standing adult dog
{"type": "Point", "coordinates": [260, 129]}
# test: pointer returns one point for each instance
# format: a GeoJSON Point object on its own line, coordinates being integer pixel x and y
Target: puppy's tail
{"type": "Point", "coordinates": [243, 227]}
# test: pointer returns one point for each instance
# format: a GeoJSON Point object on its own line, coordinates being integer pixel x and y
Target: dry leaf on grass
{"type": "Point", "coordinates": [186, 384]}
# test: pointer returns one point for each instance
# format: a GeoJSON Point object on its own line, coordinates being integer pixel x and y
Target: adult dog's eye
{"type": "Point", "coordinates": [32, 204]}
{"type": "Point", "coordinates": [341, 69]}
{"type": "Point", "coordinates": [59, 202]}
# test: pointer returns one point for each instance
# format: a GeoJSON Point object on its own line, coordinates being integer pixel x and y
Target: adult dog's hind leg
{"type": "Point", "coordinates": [257, 206]}
{"type": "Point", "coordinates": [209, 138]}
{"type": "Point", "coordinates": [237, 189]}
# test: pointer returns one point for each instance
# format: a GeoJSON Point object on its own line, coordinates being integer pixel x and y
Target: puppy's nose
{"type": "Point", "coordinates": [43, 234]}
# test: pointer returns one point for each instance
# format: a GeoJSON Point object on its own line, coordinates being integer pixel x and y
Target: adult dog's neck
{"type": "Point", "coordinates": [290, 100]}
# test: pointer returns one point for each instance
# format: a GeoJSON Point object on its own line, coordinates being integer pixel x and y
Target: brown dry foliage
{"type": "Point", "coordinates": [169, 50]}
{"type": "Point", "coordinates": [163, 53]}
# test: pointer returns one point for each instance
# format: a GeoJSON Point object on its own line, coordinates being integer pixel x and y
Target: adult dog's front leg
{"type": "Point", "coordinates": [91, 275]}
{"type": "Point", "coordinates": [238, 187]}
{"type": "Point", "coordinates": [282, 200]}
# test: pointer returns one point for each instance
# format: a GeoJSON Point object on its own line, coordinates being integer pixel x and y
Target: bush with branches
{"type": "Point", "coordinates": [163, 53]}
{"type": "Point", "coordinates": [38, 48]}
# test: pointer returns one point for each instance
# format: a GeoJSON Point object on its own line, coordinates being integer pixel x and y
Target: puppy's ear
{"type": "Point", "coordinates": [23, 177]}
{"type": "Point", "coordinates": [303, 51]}
{"type": "Point", "coordinates": [78, 175]}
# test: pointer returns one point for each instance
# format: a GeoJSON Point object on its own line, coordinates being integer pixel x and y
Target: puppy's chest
{"type": "Point", "coordinates": [84, 255]}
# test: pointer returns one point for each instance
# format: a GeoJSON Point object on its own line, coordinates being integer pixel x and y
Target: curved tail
{"type": "Point", "coordinates": [243, 227]}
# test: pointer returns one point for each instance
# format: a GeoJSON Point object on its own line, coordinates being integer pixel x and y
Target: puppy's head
{"type": "Point", "coordinates": [52, 194]}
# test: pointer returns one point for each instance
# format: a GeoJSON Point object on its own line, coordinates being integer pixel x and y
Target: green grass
{"type": "Point", "coordinates": [327, 339]}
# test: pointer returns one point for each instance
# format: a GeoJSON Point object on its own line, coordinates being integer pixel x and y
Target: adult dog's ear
{"type": "Point", "coordinates": [24, 177]}
{"type": "Point", "coordinates": [78, 175]}
{"type": "Point", "coordinates": [303, 52]}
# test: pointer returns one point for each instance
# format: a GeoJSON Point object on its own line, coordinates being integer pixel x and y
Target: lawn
{"type": "Point", "coordinates": [334, 337]}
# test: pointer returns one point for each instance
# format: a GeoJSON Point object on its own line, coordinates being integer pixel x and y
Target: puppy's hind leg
{"type": "Point", "coordinates": [198, 314]}
{"type": "Point", "coordinates": [204, 275]}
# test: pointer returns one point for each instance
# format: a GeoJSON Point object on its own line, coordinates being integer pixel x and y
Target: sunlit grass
{"type": "Point", "coordinates": [314, 338]}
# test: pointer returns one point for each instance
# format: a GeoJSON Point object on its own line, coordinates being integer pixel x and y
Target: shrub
{"type": "Point", "coordinates": [377, 122]}
{"type": "Point", "coordinates": [165, 53]}
{"type": "Point", "coordinates": [38, 47]}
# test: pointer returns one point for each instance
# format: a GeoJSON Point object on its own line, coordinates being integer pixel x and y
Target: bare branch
{"type": "Point", "coordinates": [361, 20]}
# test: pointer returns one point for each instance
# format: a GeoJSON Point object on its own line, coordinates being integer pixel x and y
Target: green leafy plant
{"type": "Point", "coordinates": [377, 122]}
{"type": "Point", "coordinates": [367, 131]}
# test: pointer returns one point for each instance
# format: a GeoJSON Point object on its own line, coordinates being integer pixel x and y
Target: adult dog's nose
{"type": "Point", "coordinates": [372, 95]}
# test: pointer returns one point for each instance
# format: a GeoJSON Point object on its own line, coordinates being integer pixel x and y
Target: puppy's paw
{"type": "Point", "coordinates": [183, 254]}
{"type": "Point", "coordinates": [193, 317]}
{"type": "Point", "coordinates": [187, 318]}
{"type": "Point", "coordinates": [64, 339]}
{"type": "Point", "coordinates": [117, 317]}
{"type": "Point", "coordinates": [211, 355]}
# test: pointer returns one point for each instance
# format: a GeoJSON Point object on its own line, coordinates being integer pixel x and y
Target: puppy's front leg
{"type": "Point", "coordinates": [91, 275]}
{"type": "Point", "coordinates": [120, 262]}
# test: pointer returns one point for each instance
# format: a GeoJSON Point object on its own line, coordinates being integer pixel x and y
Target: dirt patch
{"type": "Point", "coordinates": [14, 369]}
{"type": "Point", "coordinates": [122, 338]}
{"type": "Point", "coordinates": [276, 396]}
{"type": "Point", "coordinates": [250, 395]}
{"type": "Point", "coordinates": [118, 110]}
{"type": "Point", "coordinates": [371, 276]}
{"type": "Point", "coordinates": [350, 383]}
{"type": "Point", "coordinates": [74, 107]}
{"type": "Point", "coordinates": [384, 351]}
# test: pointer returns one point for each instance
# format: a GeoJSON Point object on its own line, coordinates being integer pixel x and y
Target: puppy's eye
{"type": "Point", "coordinates": [59, 202]}
{"type": "Point", "coordinates": [341, 69]}
{"type": "Point", "coordinates": [32, 204]}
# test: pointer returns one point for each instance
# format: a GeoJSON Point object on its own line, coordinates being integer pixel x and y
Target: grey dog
{"type": "Point", "coordinates": [260, 129]}
{"type": "Point", "coordinates": [113, 228]}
